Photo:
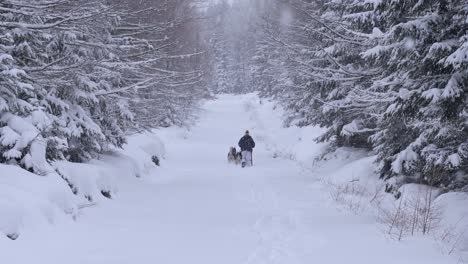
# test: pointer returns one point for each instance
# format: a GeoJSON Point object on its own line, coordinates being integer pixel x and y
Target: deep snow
{"type": "Point", "coordinates": [197, 208]}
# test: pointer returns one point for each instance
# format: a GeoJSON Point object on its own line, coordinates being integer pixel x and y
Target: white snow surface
{"type": "Point", "coordinates": [197, 208]}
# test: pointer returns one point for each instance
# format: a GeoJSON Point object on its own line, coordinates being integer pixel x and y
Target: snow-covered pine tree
{"type": "Point", "coordinates": [423, 134]}
{"type": "Point", "coordinates": [18, 97]}
{"type": "Point", "coordinates": [327, 77]}
{"type": "Point", "coordinates": [69, 70]}
{"type": "Point", "coordinates": [62, 46]}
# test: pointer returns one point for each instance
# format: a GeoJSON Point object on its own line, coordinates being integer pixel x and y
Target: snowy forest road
{"type": "Point", "coordinates": [199, 209]}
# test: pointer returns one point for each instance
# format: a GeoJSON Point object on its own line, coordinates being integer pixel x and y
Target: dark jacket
{"type": "Point", "coordinates": [247, 143]}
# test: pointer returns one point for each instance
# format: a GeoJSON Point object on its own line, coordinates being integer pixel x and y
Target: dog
{"type": "Point", "coordinates": [234, 156]}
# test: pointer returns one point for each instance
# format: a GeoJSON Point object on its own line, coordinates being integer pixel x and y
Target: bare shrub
{"type": "Point", "coordinates": [411, 215]}
{"type": "Point", "coordinates": [377, 194]}
{"type": "Point", "coordinates": [352, 195]}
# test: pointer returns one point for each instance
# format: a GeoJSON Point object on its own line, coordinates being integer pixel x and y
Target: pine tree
{"type": "Point", "coordinates": [423, 134]}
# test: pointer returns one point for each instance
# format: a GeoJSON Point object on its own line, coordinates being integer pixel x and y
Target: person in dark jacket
{"type": "Point", "coordinates": [247, 144]}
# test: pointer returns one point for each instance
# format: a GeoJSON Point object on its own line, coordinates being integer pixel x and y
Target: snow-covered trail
{"type": "Point", "coordinates": [199, 209]}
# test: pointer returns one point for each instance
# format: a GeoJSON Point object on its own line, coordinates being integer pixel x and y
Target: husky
{"type": "Point", "coordinates": [234, 156]}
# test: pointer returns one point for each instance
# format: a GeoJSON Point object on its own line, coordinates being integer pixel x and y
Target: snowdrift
{"type": "Point", "coordinates": [29, 201]}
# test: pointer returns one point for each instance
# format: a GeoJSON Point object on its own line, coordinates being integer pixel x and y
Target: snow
{"type": "Point", "coordinates": [454, 160]}
{"type": "Point", "coordinates": [20, 134]}
{"type": "Point", "coordinates": [352, 128]}
{"type": "Point", "coordinates": [8, 136]}
{"type": "Point", "coordinates": [197, 208]}
{"type": "Point", "coordinates": [404, 94]}
{"type": "Point", "coordinates": [377, 33]}
{"type": "Point", "coordinates": [433, 94]}
{"type": "Point", "coordinates": [88, 180]}
{"type": "Point", "coordinates": [460, 56]}
{"type": "Point", "coordinates": [3, 105]}
{"type": "Point", "coordinates": [28, 201]}
{"type": "Point", "coordinates": [454, 218]}
{"type": "Point", "coordinates": [375, 51]}
{"type": "Point", "coordinates": [453, 87]}
{"type": "Point", "coordinates": [404, 160]}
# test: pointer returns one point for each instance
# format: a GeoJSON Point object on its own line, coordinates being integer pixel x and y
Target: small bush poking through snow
{"type": "Point", "coordinates": [355, 196]}
{"type": "Point", "coordinates": [13, 236]}
{"type": "Point", "coordinates": [416, 211]}
{"type": "Point", "coordinates": [155, 160]}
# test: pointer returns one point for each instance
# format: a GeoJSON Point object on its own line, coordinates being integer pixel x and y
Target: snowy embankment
{"type": "Point", "coordinates": [29, 202]}
{"type": "Point", "coordinates": [197, 208]}
{"type": "Point", "coordinates": [349, 176]}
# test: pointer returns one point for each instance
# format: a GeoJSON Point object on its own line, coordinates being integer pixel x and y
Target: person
{"type": "Point", "coordinates": [247, 144]}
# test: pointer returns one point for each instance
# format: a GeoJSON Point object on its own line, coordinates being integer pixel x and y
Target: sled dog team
{"type": "Point", "coordinates": [244, 157]}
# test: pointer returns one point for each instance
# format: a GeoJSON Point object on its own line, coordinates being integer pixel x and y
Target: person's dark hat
{"type": "Point", "coordinates": [247, 132]}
